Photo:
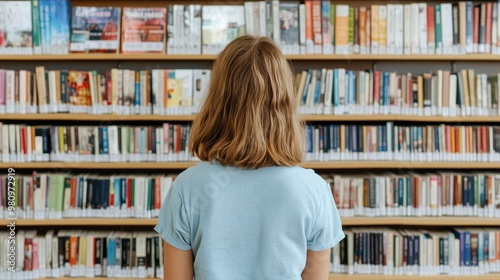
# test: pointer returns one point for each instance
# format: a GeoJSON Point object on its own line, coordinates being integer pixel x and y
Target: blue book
{"type": "Point", "coordinates": [306, 86]}
{"type": "Point", "coordinates": [123, 198]}
{"type": "Point", "coordinates": [336, 89]}
{"type": "Point", "coordinates": [352, 87]}
{"type": "Point", "coordinates": [400, 192]}
{"type": "Point", "coordinates": [408, 190]}
{"type": "Point", "coordinates": [385, 90]}
{"type": "Point", "coordinates": [317, 90]}
{"type": "Point", "coordinates": [137, 90]}
{"type": "Point", "coordinates": [309, 132]}
{"type": "Point", "coordinates": [468, 26]}
{"type": "Point", "coordinates": [467, 249]}
{"type": "Point", "coordinates": [105, 142]}
{"type": "Point", "coordinates": [111, 251]}
{"type": "Point", "coordinates": [117, 189]}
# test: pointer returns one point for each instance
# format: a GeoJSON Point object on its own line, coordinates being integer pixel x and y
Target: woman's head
{"type": "Point", "coordinates": [249, 116]}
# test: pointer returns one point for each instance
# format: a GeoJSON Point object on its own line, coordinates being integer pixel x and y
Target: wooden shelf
{"type": "Point", "coordinates": [350, 277]}
{"type": "Point", "coordinates": [493, 276]}
{"type": "Point", "coordinates": [118, 118]}
{"type": "Point", "coordinates": [201, 57]}
{"type": "Point", "coordinates": [403, 165]}
{"type": "Point", "coordinates": [346, 222]}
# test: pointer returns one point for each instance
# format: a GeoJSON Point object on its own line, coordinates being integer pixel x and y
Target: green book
{"type": "Point", "coordinates": [351, 26]}
{"type": "Point", "coordinates": [35, 21]}
{"type": "Point", "coordinates": [438, 29]}
{"type": "Point", "coordinates": [332, 23]}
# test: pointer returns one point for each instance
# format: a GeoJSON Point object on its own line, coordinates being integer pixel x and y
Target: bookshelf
{"type": "Point", "coordinates": [195, 57]}
{"type": "Point", "coordinates": [326, 165]}
{"type": "Point", "coordinates": [419, 63]}
{"type": "Point", "coordinates": [307, 118]}
{"type": "Point", "coordinates": [363, 277]}
{"type": "Point", "coordinates": [444, 221]}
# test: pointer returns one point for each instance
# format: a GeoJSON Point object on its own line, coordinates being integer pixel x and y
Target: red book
{"type": "Point", "coordinates": [109, 91]}
{"type": "Point", "coordinates": [72, 200]}
{"type": "Point", "coordinates": [431, 31]}
{"type": "Point", "coordinates": [376, 86]}
{"type": "Point", "coordinates": [316, 24]}
{"type": "Point", "coordinates": [23, 140]}
{"type": "Point", "coordinates": [484, 142]}
{"type": "Point", "coordinates": [129, 192]}
{"type": "Point", "coordinates": [309, 21]}
{"type": "Point", "coordinates": [156, 197]}
{"type": "Point", "coordinates": [475, 26]}
{"type": "Point", "coordinates": [487, 39]}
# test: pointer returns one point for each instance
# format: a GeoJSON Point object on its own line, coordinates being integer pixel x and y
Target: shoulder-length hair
{"type": "Point", "coordinates": [249, 117]}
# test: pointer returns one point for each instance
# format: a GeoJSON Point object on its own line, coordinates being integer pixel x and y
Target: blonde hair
{"type": "Point", "coordinates": [249, 117]}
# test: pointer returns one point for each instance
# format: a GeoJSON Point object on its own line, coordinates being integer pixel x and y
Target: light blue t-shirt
{"type": "Point", "coordinates": [249, 223]}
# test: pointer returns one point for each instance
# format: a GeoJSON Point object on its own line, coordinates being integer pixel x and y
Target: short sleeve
{"type": "Point", "coordinates": [173, 221]}
{"type": "Point", "coordinates": [326, 230]}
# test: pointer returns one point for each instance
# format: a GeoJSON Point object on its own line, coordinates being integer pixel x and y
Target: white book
{"type": "Point", "coordinates": [447, 27]}
{"type": "Point", "coordinates": [494, 29]}
{"type": "Point", "coordinates": [422, 23]}
{"type": "Point", "coordinates": [328, 90]}
{"type": "Point", "coordinates": [407, 35]}
{"type": "Point", "coordinates": [276, 22]}
{"type": "Point", "coordinates": [383, 30]}
{"type": "Point", "coordinates": [195, 40]}
{"type": "Point", "coordinates": [201, 80]}
{"type": "Point", "coordinates": [262, 18]}
{"type": "Point", "coordinates": [415, 28]}
{"type": "Point", "coordinates": [399, 23]}
{"type": "Point", "coordinates": [22, 92]}
{"type": "Point", "coordinates": [453, 92]}
{"type": "Point", "coordinates": [249, 21]}
{"type": "Point", "coordinates": [53, 91]}
{"type": "Point", "coordinates": [113, 140]}
{"type": "Point", "coordinates": [440, 89]}
{"type": "Point", "coordinates": [391, 29]}
{"type": "Point", "coordinates": [10, 91]}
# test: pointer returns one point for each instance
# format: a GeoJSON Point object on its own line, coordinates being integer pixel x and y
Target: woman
{"type": "Point", "coordinates": [248, 211]}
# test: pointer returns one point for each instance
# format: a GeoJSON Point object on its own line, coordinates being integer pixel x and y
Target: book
{"type": "Point", "coordinates": [143, 30]}
{"type": "Point", "coordinates": [220, 25]}
{"type": "Point", "coordinates": [95, 29]}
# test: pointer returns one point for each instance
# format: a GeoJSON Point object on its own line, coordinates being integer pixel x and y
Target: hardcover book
{"type": "Point", "coordinates": [79, 88]}
{"type": "Point", "coordinates": [95, 29]}
{"type": "Point", "coordinates": [17, 30]}
{"type": "Point", "coordinates": [220, 25]}
{"type": "Point", "coordinates": [143, 30]}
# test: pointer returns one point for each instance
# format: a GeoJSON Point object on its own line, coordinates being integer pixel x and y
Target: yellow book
{"type": "Point", "coordinates": [375, 28]}
{"type": "Point", "coordinates": [341, 27]}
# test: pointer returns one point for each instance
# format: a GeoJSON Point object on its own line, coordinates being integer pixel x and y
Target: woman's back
{"type": "Point", "coordinates": [248, 211]}
{"type": "Point", "coordinates": [250, 223]}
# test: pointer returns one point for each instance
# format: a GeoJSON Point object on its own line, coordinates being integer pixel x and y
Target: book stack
{"type": "Point", "coordinates": [118, 91]}
{"type": "Point", "coordinates": [25, 143]}
{"type": "Point", "coordinates": [440, 93]}
{"type": "Point", "coordinates": [311, 27]}
{"type": "Point", "coordinates": [56, 196]}
{"type": "Point", "coordinates": [405, 143]}
{"type": "Point", "coordinates": [417, 195]}
{"type": "Point", "coordinates": [89, 254]}
{"type": "Point", "coordinates": [385, 251]}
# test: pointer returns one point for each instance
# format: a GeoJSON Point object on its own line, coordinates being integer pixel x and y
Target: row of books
{"type": "Point", "coordinates": [412, 194]}
{"type": "Point", "coordinates": [118, 91]}
{"type": "Point", "coordinates": [57, 196]}
{"type": "Point", "coordinates": [326, 142]}
{"type": "Point", "coordinates": [440, 93]}
{"type": "Point", "coordinates": [82, 253]}
{"type": "Point", "coordinates": [22, 143]}
{"type": "Point", "coordinates": [181, 91]}
{"type": "Point", "coordinates": [405, 143]}
{"type": "Point", "coordinates": [310, 27]}
{"type": "Point", "coordinates": [469, 251]}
